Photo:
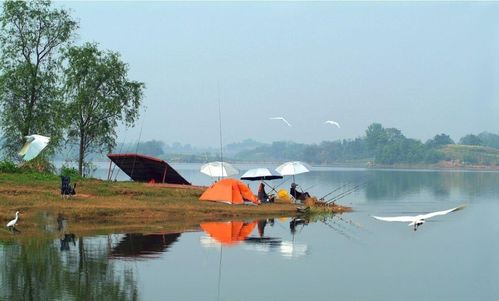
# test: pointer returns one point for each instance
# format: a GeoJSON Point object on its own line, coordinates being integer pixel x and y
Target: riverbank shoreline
{"type": "Point", "coordinates": [108, 207]}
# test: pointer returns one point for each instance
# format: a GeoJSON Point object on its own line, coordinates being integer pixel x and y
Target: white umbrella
{"type": "Point", "coordinates": [260, 174]}
{"type": "Point", "coordinates": [293, 168]}
{"type": "Point", "coordinates": [33, 146]}
{"type": "Point", "coordinates": [218, 169]}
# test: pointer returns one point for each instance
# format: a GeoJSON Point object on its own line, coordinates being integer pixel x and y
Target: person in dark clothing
{"type": "Point", "coordinates": [66, 188]}
{"type": "Point", "coordinates": [262, 195]}
{"type": "Point", "coordinates": [298, 195]}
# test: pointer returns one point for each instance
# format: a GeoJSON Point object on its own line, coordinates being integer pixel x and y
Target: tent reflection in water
{"type": "Point", "coordinates": [230, 191]}
{"type": "Point", "coordinates": [228, 233]}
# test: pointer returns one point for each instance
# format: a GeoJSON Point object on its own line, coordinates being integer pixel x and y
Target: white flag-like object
{"type": "Point", "coordinates": [33, 146]}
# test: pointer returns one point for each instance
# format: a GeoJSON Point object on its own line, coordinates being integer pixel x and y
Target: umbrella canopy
{"type": "Point", "coordinates": [33, 146]}
{"type": "Point", "coordinates": [228, 233]}
{"type": "Point", "coordinates": [228, 190]}
{"type": "Point", "coordinates": [293, 168]}
{"type": "Point", "coordinates": [261, 174]}
{"type": "Point", "coordinates": [218, 169]}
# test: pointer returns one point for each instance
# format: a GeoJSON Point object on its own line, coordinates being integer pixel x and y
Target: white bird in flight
{"type": "Point", "coordinates": [332, 122]}
{"type": "Point", "coordinates": [417, 220]}
{"type": "Point", "coordinates": [13, 222]}
{"type": "Point", "coordinates": [281, 118]}
{"type": "Point", "coordinates": [33, 146]}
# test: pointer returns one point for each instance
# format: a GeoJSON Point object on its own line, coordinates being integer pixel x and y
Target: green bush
{"type": "Point", "coordinates": [69, 172]}
{"type": "Point", "coordinates": [39, 164]}
{"type": "Point", "coordinates": [8, 167]}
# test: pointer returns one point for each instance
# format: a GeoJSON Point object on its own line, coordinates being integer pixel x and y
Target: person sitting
{"type": "Point", "coordinates": [66, 189]}
{"type": "Point", "coordinates": [298, 195]}
{"type": "Point", "coordinates": [262, 195]}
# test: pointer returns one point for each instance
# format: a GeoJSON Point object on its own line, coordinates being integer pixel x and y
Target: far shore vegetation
{"type": "Point", "coordinates": [379, 147]}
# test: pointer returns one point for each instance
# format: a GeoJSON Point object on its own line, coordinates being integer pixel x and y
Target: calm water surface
{"type": "Point", "coordinates": [346, 257]}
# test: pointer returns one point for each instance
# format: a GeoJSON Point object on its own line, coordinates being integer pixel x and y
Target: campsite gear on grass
{"type": "Point", "coordinates": [142, 168]}
{"type": "Point", "coordinates": [283, 195]}
{"type": "Point", "coordinates": [230, 191]}
{"type": "Point", "coordinates": [228, 233]}
{"type": "Point", "coordinates": [218, 169]}
{"type": "Point", "coordinates": [33, 146]}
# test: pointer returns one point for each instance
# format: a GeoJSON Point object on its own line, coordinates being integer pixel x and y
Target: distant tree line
{"type": "Point", "coordinates": [380, 145]}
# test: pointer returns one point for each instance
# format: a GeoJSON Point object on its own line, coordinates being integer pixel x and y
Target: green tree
{"type": "Point", "coordinates": [375, 136]}
{"type": "Point", "coordinates": [489, 139]}
{"type": "Point", "coordinates": [32, 33]}
{"type": "Point", "coordinates": [439, 140]}
{"type": "Point", "coordinates": [99, 96]}
{"type": "Point", "coordinates": [470, 140]}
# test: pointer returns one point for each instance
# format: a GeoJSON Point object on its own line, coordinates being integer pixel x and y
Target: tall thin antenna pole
{"type": "Point", "coordinates": [220, 125]}
{"type": "Point", "coordinates": [137, 148]}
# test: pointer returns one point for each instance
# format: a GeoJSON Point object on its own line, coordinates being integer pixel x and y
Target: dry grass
{"type": "Point", "coordinates": [107, 207]}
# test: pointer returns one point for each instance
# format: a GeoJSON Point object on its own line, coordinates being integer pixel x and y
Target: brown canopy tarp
{"type": "Point", "coordinates": [143, 168]}
{"type": "Point", "coordinates": [228, 190]}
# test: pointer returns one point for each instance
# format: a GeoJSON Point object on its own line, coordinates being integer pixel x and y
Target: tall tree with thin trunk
{"type": "Point", "coordinates": [32, 33]}
{"type": "Point", "coordinates": [99, 96]}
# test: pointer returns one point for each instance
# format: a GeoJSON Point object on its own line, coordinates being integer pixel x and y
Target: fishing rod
{"type": "Point", "coordinates": [280, 184]}
{"type": "Point", "coordinates": [311, 186]}
{"type": "Point", "coordinates": [352, 188]}
{"type": "Point", "coordinates": [344, 194]}
{"type": "Point", "coordinates": [342, 186]}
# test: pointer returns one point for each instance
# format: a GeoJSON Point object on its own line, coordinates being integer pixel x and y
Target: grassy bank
{"type": "Point", "coordinates": [107, 207]}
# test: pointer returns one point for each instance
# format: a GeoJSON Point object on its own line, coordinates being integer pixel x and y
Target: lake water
{"type": "Point", "coordinates": [346, 257]}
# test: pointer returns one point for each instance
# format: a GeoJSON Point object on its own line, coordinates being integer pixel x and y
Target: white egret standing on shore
{"type": "Point", "coordinates": [13, 222]}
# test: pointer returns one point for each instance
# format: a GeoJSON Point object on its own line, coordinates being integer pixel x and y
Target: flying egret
{"type": "Point", "coordinates": [13, 222]}
{"type": "Point", "coordinates": [281, 118]}
{"type": "Point", "coordinates": [33, 146]}
{"type": "Point", "coordinates": [332, 123]}
{"type": "Point", "coordinates": [416, 220]}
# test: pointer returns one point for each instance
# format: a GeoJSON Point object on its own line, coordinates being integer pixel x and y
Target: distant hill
{"type": "Point", "coordinates": [471, 154]}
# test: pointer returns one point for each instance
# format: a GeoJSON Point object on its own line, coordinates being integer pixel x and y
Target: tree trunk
{"type": "Point", "coordinates": [82, 153]}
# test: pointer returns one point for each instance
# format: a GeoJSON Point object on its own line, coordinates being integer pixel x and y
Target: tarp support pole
{"type": "Point", "coordinates": [164, 173]}
{"type": "Point", "coordinates": [109, 171]}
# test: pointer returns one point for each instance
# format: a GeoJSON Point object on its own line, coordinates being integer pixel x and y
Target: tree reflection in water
{"type": "Point", "coordinates": [35, 269]}
{"type": "Point", "coordinates": [394, 184]}
{"type": "Point", "coordinates": [143, 246]}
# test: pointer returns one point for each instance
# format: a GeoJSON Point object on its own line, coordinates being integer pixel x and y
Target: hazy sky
{"type": "Point", "coordinates": [425, 68]}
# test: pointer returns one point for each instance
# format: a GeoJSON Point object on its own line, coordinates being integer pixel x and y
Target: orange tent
{"type": "Point", "coordinates": [230, 191]}
{"type": "Point", "coordinates": [228, 233]}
